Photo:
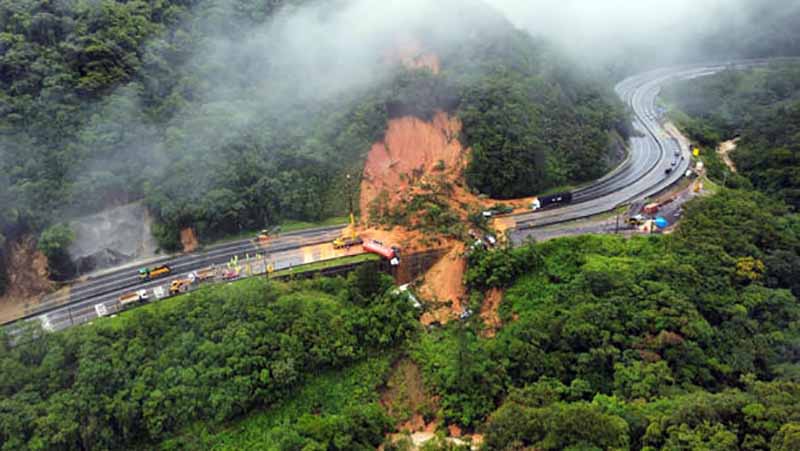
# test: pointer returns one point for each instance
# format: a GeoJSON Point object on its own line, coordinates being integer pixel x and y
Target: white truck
{"type": "Point", "coordinates": [133, 297]}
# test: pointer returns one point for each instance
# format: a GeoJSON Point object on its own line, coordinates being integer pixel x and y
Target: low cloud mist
{"type": "Point", "coordinates": [253, 83]}
{"type": "Point", "coordinates": [643, 33]}
{"type": "Point", "coordinates": [242, 84]}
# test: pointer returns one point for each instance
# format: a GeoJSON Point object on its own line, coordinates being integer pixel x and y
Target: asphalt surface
{"type": "Point", "coordinates": [615, 224]}
{"type": "Point", "coordinates": [652, 153]}
{"type": "Point", "coordinates": [97, 296]}
{"type": "Point", "coordinates": [640, 175]}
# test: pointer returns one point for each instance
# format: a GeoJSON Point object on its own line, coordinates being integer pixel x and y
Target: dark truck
{"type": "Point", "coordinates": [551, 201]}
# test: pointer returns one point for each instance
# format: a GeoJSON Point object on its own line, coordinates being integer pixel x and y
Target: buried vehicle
{"type": "Point", "coordinates": [390, 253]}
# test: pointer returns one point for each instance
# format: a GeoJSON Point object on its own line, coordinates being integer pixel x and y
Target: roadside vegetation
{"type": "Point", "coordinates": [685, 341]}
{"type": "Point", "coordinates": [529, 134]}
{"type": "Point", "coordinates": [212, 356]}
{"type": "Point", "coordinates": [317, 267]}
{"type": "Point", "coordinates": [661, 342]}
{"type": "Point", "coordinates": [761, 107]}
{"type": "Point", "coordinates": [335, 409]}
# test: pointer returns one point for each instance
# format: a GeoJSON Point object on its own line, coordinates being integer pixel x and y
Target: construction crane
{"type": "Point", "coordinates": [349, 236]}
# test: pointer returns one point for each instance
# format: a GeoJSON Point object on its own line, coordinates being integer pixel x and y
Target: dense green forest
{"type": "Point", "coordinates": [686, 341]}
{"type": "Point", "coordinates": [221, 118]}
{"type": "Point", "coordinates": [529, 134]}
{"type": "Point", "coordinates": [213, 356]}
{"type": "Point", "coordinates": [759, 106]}
{"type": "Point", "coordinates": [337, 409]}
{"type": "Point", "coordinates": [109, 102]}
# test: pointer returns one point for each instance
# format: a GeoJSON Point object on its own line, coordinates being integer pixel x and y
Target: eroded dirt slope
{"type": "Point", "coordinates": [410, 52]}
{"type": "Point", "coordinates": [411, 149]}
{"type": "Point", "coordinates": [27, 277]}
{"type": "Point", "coordinates": [443, 286]}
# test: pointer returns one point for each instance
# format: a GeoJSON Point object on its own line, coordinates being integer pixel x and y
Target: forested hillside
{"type": "Point", "coordinates": [225, 116]}
{"type": "Point", "coordinates": [762, 108]}
{"type": "Point", "coordinates": [108, 102]}
{"type": "Point", "coordinates": [686, 341]}
{"type": "Point", "coordinates": [212, 356]}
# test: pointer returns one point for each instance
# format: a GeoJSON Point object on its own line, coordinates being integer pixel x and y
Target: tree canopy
{"type": "Point", "coordinates": [674, 342]}
{"type": "Point", "coordinates": [196, 108]}
{"type": "Point", "coordinates": [212, 355]}
{"type": "Point", "coordinates": [761, 107]}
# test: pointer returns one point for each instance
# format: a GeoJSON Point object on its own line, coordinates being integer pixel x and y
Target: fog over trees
{"type": "Point", "coordinates": [227, 115]}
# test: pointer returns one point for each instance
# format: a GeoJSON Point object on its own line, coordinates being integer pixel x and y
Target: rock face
{"type": "Point", "coordinates": [111, 238]}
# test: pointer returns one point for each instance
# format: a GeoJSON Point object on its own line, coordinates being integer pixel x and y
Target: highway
{"type": "Point", "coordinates": [643, 173]}
{"type": "Point", "coordinates": [85, 301]}
{"type": "Point", "coordinates": [651, 154]}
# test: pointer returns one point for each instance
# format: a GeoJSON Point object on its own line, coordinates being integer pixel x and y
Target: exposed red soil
{"type": "Point", "coordinates": [443, 286]}
{"type": "Point", "coordinates": [415, 153]}
{"type": "Point", "coordinates": [410, 53]}
{"type": "Point", "coordinates": [188, 240]}
{"type": "Point", "coordinates": [28, 277]}
{"type": "Point", "coordinates": [454, 430]}
{"type": "Point", "coordinates": [411, 149]}
{"type": "Point", "coordinates": [405, 398]}
{"type": "Point", "coordinates": [491, 318]}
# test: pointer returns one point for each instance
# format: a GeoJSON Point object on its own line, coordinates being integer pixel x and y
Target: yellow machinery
{"type": "Point", "coordinates": [349, 237]}
{"type": "Point", "coordinates": [179, 286]}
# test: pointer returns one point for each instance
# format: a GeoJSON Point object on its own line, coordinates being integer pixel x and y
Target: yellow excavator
{"type": "Point", "coordinates": [349, 236]}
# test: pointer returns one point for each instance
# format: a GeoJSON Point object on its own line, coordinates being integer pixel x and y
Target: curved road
{"type": "Point", "coordinates": [652, 153]}
{"type": "Point", "coordinates": [640, 175]}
